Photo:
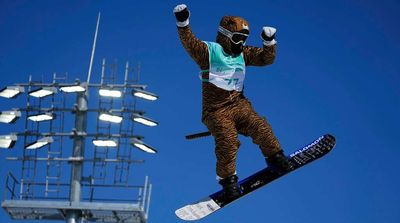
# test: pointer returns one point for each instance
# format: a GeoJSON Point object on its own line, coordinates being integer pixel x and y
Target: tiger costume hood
{"type": "Point", "coordinates": [233, 24]}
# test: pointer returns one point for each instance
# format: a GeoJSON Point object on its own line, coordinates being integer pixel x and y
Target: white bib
{"type": "Point", "coordinates": [225, 71]}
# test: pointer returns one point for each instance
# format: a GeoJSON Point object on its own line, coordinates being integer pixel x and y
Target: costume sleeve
{"type": "Point", "coordinates": [195, 47]}
{"type": "Point", "coordinates": [255, 56]}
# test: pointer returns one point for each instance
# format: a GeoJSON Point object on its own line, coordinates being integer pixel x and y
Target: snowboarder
{"type": "Point", "coordinates": [226, 111]}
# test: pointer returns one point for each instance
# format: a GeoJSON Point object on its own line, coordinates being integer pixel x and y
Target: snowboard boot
{"type": "Point", "coordinates": [230, 187]}
{"type": "Point", "coordinates": [279, 163]}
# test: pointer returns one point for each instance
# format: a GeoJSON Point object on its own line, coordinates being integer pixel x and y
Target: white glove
{"type": "Point", "coordinates": [182, 15]}
{"type": "Point", "coordinates": [268, 36]}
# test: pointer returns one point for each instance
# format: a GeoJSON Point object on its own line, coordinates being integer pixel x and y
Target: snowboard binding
{"type": "Point", "coordinates": [231, 189]}
{"type": "Point", "coordinates": [279, 163]}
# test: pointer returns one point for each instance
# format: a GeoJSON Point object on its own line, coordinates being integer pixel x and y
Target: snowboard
{"type": "Point", "coordinates": [298, 159]}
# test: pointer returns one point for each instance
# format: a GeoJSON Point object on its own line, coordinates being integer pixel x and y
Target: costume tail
{"type": "Point", "coordinates": [198, 135]}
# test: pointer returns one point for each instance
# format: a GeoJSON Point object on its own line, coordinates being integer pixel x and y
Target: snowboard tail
{"type": "Point", "coordinates": [216, 201]}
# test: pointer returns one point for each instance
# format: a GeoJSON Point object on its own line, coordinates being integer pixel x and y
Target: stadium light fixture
{"type": "Point", "coordinates": [43, 92]}
{"type": "Point", "coordinates": [144, 94]}
{"type": "Point", "coordinates": [73, 88]}
{"type": "Point", "coordinates": [105, 142]}
{"type": "Point", "coordinates": [8, 141]}
{"type": "Point", "coordinates": [143, 120]}
{"type": "Point", "coordinates": [39, 143]}
{"type": "Point", "coordinates": [9, 116]}
{"type": "Point", "coordinates": [41, 117]}
{"type": "Point", "coordinates": [11, 91]}
{"type": "Point", "coordinates": [110, 118]}
{"type": "Point", "coordinates": [105, 92]}
{"type": "Point", "coordinates": [142, 146]}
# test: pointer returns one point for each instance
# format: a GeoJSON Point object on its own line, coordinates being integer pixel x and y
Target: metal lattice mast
{"type": "Point", "coordinates": [100, 153]}
{"type": "Point", "coordinates": [121, 173]}
{"type": "Point", "coordinates": [53, 166]}
{"type": "Point", "coordinates": [45, 190]}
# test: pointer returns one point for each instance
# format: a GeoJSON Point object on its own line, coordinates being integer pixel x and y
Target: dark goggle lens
{"type": "Point", "coordinates": [237, 38]}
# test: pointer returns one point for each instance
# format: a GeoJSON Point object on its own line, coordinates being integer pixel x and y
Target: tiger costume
{"type": "Point", "coordinates": [225, 110]}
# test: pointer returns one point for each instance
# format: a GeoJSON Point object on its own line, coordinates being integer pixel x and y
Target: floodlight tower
{"type": "Point", "coordinates": [45, 143]}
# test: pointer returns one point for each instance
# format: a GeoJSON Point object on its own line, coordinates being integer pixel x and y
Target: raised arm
{"type": "Point", "coordinates": [256, 56]}
{"type": "Point", "coordinates": [195, 47]}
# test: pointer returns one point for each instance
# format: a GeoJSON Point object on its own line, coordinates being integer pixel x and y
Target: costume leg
{"type": "Point", "coordinates": [223, 129]}
{"type": "Point", "coordinates": [249, 123]}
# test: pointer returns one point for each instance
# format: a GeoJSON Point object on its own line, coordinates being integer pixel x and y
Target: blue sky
{"type": "Point", "coordinates": [336, 71]}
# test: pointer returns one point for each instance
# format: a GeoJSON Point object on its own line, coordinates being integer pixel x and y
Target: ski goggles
{"type": "Point", "coordinates": [235, 37]}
